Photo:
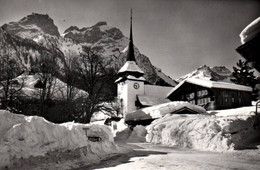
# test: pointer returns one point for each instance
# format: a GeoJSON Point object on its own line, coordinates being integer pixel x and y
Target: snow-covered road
{"type": "Point", "coordinates": [148, 157]}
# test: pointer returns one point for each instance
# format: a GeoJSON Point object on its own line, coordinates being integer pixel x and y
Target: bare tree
{"type": "Point", "coordinates": [46, 71]}
{"type": "Point", "coordinates": [69, 92]}
{"type": "Point", "coordinates": [95, 75]}
{"type": "Point", "coordinates": [9, 87]}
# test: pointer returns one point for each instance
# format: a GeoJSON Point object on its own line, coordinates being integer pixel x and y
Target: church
{"type": "Point", "coordinates": [134, 92]}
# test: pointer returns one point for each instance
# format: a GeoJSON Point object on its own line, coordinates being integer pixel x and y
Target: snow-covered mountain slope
{"type": "Point", "coordinates": [27, 53]}
{"type": "Point", "coordinates": [40, 30]}
{"type": "Point", "coordinates": [58, 91]}
{"type": "Point", "coordinates": [217, 73]}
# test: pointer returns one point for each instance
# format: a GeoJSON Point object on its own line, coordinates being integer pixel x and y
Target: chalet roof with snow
{"type": "Point", "coordinates": [160, 110]}
{"type": "Point", "coordinates": [211, 84]}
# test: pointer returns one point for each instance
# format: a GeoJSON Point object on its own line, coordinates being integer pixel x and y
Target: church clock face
{"type": "Point", "coordinates": [136, 85]}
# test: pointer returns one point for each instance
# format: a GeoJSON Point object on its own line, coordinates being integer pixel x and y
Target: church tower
{"type": "Point", "coordinates": [131, 81]}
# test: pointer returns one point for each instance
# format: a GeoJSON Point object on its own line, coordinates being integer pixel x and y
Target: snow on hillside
{"type": "Point", "coordinates": [58, 90]}
{"type": "Point", "coordinates": [25, 137]}
{"type": "Point", "coordinates": [226, 130]}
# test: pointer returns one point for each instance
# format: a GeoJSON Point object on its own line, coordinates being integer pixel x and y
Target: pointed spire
{"type": "Point", "coordinates": [130, 52]}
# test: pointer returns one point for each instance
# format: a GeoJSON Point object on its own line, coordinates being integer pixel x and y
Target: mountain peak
{"type": "Point", "coordinates": [94, 33]}
{"type": "Point", "coordinates": [101, 23]}
{"type": "Point", "coordinates": [216, 73]}
{"type": "Point", "coordinates": [33, 23]}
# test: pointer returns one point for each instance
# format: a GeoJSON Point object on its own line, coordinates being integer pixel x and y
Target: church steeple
{"type": "Point", "coordinates": [130, 52]}
{"type": "Point", "coordinates": [130, 68]}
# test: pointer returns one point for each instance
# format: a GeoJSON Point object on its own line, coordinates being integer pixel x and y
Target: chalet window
{"type": "Point", "coordinates": [190, 96]}
{"type": "Point", "coordinates": [233, 100]}
{"type": "Point", "coordinates": [199, 93]}
{"type": "Point", "coordinates": [192, 101]}
{"type": "Point", "coordinates": [202, 93]}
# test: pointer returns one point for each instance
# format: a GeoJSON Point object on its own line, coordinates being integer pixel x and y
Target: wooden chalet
{"type": "Point", "coordinates": [211, 95]}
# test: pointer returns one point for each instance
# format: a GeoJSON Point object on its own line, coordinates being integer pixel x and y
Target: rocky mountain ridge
{"type": "Point", "coordinates": [217, 73]}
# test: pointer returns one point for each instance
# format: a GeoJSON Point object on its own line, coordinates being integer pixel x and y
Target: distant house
{"type": "Point", "coordinates": [211, 95]}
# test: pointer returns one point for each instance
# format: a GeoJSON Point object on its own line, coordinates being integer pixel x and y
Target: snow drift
{"type": "Point", "coordinates": [123, 133]}
{"type": "Point", "coordinates": [219, 132]}
{"type": "Point", "coordinates": [22, 137]}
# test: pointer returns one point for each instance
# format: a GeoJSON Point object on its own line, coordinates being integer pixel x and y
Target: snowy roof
{"type": "Point", "coordinates": [150, 100]}
{"type": "Point", "coordinates": [252, 30]}
{"type": "Point", "coordinates": [161, 110]}
{"type": "Point", "coordinates": [130, 66]}
{"type": "Point", "coordinates": [129, 77]}
{"type": "Point", "coordinates": [212, 84]}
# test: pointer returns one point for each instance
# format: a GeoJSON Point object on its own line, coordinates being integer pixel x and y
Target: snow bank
{"type": "Point", "coordinates": [138, 134]}
{"type": "Point", "coordinates": [204, 132]}
{"type": "Point", "coordinates": [25, 136]}
{"type": "Point", "coordinates": [161, 110]}
{"type": "Point", "coordinates": [124, 133]}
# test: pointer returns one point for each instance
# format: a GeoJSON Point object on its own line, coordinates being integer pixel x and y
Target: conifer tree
{"type": "Point", "coordinates": [243, 75]}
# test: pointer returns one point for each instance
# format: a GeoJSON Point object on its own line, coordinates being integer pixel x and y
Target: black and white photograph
{"type": "Point", "coordinates": [129, 84]}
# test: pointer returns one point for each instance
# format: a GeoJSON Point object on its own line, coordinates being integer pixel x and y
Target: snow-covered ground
{"type": "Point", "coordinates": [154, 157]}
{"type": "Point", "coordinates": [31, 142]}
{"type": "Point", "coordinates": [25, 138]}
{"type": "Point", "coordinates": [221, 131]}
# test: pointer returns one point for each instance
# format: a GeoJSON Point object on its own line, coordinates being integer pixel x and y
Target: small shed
{"type": "Point", "coordinates": [211, 95]}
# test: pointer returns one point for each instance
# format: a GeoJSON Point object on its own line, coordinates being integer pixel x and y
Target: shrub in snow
{"type": "Point", "coordinates": [206, 132]}
{"type": "Point", "coordinates": [25, 136]}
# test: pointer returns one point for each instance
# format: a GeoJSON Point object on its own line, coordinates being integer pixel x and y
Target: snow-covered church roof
{"type": "Point", "coordinates": [130, 66]}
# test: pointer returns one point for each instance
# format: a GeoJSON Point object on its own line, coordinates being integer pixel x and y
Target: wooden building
{"type": "Point", "coordinates": [211, 95]}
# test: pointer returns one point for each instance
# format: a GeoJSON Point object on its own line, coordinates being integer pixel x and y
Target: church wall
{"type": "Point", "coordinates": [157, 91]}
{"type": "Point", "coordinates": [134, 88]}
{"type": "Point", "coordinates": [122, 95]}
{"type": "Point", "coordinates": [127, 92]}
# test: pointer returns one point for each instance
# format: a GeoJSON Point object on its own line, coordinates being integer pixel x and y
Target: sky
{"type": "Point", "coordinates": [178, 36]}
